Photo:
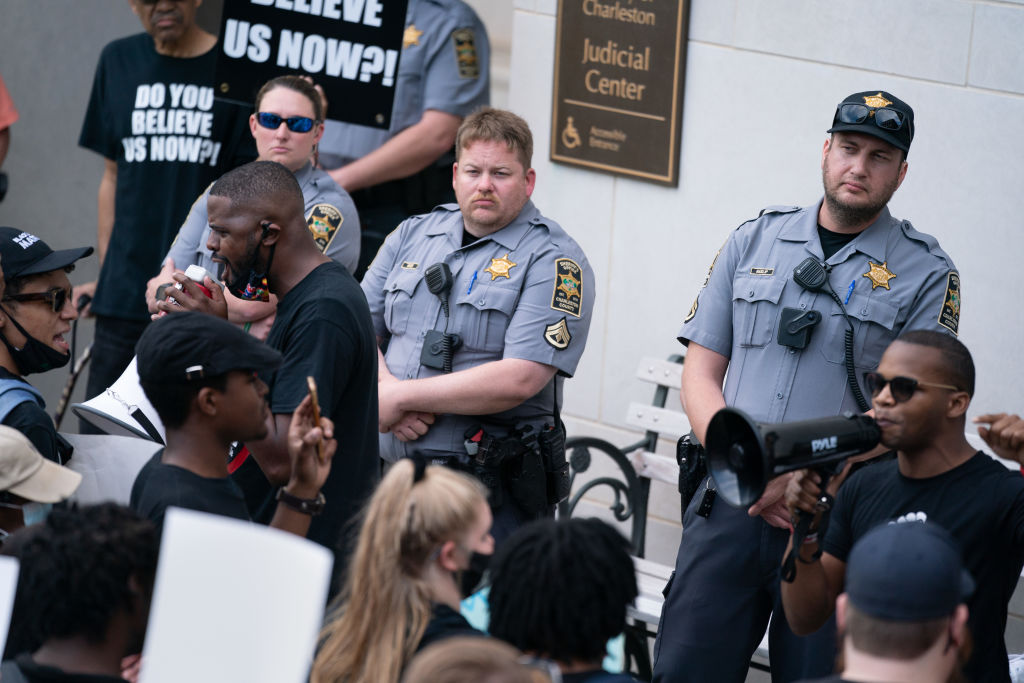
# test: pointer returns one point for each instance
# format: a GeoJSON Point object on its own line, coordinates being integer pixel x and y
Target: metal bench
{"type": "Point", "coordinates": [635, 466]}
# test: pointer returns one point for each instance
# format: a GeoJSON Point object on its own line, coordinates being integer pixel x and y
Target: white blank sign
{"type": "Point", "coordinates": [233, 602]}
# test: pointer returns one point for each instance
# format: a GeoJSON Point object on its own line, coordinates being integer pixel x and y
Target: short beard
{"type": "Point", "coordinates": [250, 263]}
{"type": "Point", "coordinates": [851, 216]}
{"type": "Point", "coordinates": [848, 216]}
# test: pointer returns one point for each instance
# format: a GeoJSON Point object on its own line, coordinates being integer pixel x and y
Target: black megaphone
{"type": "Point", "coordinates": [743, 455]}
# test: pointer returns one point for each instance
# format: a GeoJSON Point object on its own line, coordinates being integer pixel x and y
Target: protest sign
{"type": "Point", "coordinates": [349, 47]}
{"type": "Point", "coordinates": [233, 601]}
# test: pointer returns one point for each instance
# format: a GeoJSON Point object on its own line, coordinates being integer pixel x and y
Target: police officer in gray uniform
{"type": "Point", "coordinates": [782, 336]}
{"type": "Point", "coordinates": [443, 76]}
{"type": "Point", "coordinates": [509, 294]}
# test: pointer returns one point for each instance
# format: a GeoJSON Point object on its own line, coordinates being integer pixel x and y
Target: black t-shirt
{"type": "Point", "coordinates": [31, 419]}
{"type": "Point", "coordinates": [831, 242]}
{"type": "Point", "coordinates": [981, 504]}
{"type": "Point", "coordinates": [445, 623]}
{"type": "Point", "coordinates": [23, 669]}
{"type": "Point", "coordinates": [323, 329]}
{"type": "Point", "coordinates": [156, 116]}
{"type": "Point", "coordinates": [158, 486]}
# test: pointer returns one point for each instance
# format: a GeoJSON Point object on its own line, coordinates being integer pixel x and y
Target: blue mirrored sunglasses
{"type": "Point", "coordinates": [296, 124]}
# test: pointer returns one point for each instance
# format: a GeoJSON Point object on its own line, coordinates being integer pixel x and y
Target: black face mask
{"type": "Point", "coordinates": [250, 284]}
{"type": "Point", "coordinates": [472, 576]}
{"type": "Point", "coordinates": [34, 356]}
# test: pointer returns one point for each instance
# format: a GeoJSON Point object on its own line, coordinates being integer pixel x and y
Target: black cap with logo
{"type": "Point", "coordinates": [877, 113]}
{"type": "Point", "coordinates": [22, 253]}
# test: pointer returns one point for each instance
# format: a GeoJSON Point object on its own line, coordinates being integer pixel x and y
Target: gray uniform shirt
{"type": "Point", "coordinates": [526, 291]}
{"type": "Point", "coordinates": [445, 65]}
{"type": "Point", "coordinates": [737, 313]}
{"type": "Point", "coordinates": [330, 214]}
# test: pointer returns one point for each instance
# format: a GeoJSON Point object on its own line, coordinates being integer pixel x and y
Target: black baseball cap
{"type": "Point", "coordinates": [907, 571]}
{"type": "Point", "coordinates": [859, 113]}
{"type": "Point", "coordinates": [185, 347]}
{"type": "Point", "coordinates": [22, 253]}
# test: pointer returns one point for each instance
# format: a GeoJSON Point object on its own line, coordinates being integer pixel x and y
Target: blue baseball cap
{"type": "Point", "coordinates": [907, 571]}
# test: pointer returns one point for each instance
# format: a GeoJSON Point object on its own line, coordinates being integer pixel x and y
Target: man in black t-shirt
{"type": "Point", "coordinates": [163, 137]}
{"type": "Point", "coordinates": [921, 391]}
{"type": "Point", "coordinates": [204, 377]}
{"type": "Point", "coordinates": [323, 330]}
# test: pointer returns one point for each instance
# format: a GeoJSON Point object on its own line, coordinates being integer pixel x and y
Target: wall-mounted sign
{"type": "Point", "coordinates": [348, 47]}
{"type": "Point", "coordinates": [618, 101]}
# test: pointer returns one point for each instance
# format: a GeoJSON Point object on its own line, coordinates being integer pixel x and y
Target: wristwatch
{"type": "Point", "coordinates": [307, 506]}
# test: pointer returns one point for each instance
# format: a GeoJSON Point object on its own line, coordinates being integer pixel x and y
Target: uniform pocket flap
{"type": "Point", "coordinates": [758, 289]}
{"type": "Point", "coordinates": [873, 309]}
{"type": "Point", "coordinates": [402, 280]}
{"type": "Point", "coordinates": [491, 299]}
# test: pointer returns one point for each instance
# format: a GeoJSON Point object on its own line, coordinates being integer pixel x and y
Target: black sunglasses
{"type": "Point", "coordinates": [886, 119]}
{"type": "Point", "coordinates": [56, 297]}
{"type": "Point", "coordinates": [901, 388]}
{"type": "Point", "coordinates": [296, 124]}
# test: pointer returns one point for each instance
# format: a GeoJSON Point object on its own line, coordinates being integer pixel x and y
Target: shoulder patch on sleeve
{"type": "Point", "coordinates": [568, 293]}
{"type": "Point", "coordinates": [465, 53]}
{"type": "Point", "coordinates": [323, 223]}
{"type": "Point", "coordinates": [707, 278]}
{"type": "Point", "coordinates": [949, 315]}
{"type": "Point", "coordinates": [557, 334]}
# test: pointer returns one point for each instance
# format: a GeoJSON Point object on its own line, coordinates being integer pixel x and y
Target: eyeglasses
{"type": "Point", "coordinates": [901, 388]}
{"type": "Point", "coordinates": [56, 297]}
{"type": "Point", "coordinates": [886, 119]}
{"type": "Point", "coordinates": [296, 124]}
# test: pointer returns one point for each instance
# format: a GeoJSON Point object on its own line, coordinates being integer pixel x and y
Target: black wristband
{"type": "Point", "coordinates": [307, 506]}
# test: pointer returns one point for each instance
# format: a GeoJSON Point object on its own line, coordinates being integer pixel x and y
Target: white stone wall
{"type": "Point", "coordinates": [762, 80]}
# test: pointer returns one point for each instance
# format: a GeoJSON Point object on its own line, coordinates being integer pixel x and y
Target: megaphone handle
{"type": "Point", "coordinates": [803, 529]}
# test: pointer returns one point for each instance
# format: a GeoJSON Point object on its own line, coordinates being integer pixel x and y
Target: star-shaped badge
{"type": "Point", "coordinates": [499, 267]}
{"type": "Point", "coordinates": [879, 274]}
{"type": "Point", "coordinates": [411, 36]}
{"type": "Point", "coordinates": [876, 101]}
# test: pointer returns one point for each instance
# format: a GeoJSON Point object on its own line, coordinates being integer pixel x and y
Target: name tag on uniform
{"type": "Point", "coordinates": [410, 265]}
{"type": "Point", "coordinates": [762, 271]}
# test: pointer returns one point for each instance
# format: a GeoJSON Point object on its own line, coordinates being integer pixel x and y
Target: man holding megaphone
{"type": "Point", "coordinates": [921, 392]}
